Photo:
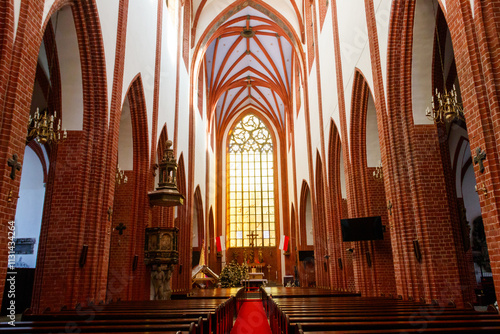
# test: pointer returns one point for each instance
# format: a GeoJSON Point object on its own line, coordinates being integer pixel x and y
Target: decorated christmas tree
{"type": "Point", "coordinates": [232, 274]}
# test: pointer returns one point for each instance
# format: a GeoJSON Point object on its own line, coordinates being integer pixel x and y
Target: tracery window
{"type": "Point", "coordinates": [251, 218]}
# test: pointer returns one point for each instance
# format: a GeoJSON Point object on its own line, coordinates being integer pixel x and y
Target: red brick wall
{"type": "Point", "coordinates": [119, 262]}
{"type": "Point", "coordinates": [17, 66]}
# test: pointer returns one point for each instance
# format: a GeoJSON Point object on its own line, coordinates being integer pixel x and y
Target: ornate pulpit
{"type": "Point", "coordinates": [160, 248]}
{"type": "Point", "coordinates": [161, 253]}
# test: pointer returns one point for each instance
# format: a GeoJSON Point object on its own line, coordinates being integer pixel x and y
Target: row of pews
{"type": "Point", "coordinates": [196, 315]}
{"type": "Point", "coordinates": [303, 311]}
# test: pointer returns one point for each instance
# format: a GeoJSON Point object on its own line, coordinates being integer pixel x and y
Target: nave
{"type": "Point", "coordinates": [237, 311]}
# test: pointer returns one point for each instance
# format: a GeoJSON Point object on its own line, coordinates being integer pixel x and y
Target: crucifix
{"type": "Point", "coordinates": [15, 165]}
{"type": "Point", "coordinates": [120, 228]}
{"type": "Point", "coordinates": [389, 207]}
{"type": "Point", "coordinates": [478, 159]}
{"type": "Point", "coordinates": [252, 236]}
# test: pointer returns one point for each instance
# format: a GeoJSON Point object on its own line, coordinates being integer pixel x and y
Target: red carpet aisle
{"type": "Point", "coordinates": [251, 319]}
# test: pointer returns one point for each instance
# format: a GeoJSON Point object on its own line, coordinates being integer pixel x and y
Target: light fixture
{"type": "Point", "coordinates": [445, 105]}
{"type": "Point", "coordinates": [41, 127]}
{"type": "Point", "coordinates": [120, 176]}
{"type": "Point", "coordinates": [378, 173]}
{"type": "Point", "coordinates": [167, 194]}
{"type": "Point", "coordinates": [45, 127]}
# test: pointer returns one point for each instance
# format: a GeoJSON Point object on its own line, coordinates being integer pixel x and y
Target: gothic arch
{"type": "Point", "coordinates": [198, 225]}
{"type": "Point", "coordinates": [357, 179]}
{"type": "Point", "coordinates": [320, 229]}
{"type": "Point", "coordinates": [91, 154]}
{"type": "Point", "coordinates": [305, 218]}
{"type": "Point", "coordinates": [411, 184]}
{"type": "Point", "coordinates": [335, 169]}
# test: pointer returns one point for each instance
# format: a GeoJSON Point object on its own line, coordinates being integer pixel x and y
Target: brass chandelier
{"type": "Point", "coordinates": [445, 107]}
{"type": "Point", "coordinates": [42, 128]}
{"type": "Point", "coordinates": [120, 176]}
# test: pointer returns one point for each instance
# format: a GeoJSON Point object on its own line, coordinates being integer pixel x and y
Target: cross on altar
{"type": "Point", "coordinates": [15, 165]}
{"type": "Point", "coordinates": [252, 236]}
{"type": "Point", "coordinates": [478, 159]}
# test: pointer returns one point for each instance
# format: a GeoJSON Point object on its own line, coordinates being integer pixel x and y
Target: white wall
{"type": "Point", "coordinates": [166, 112]}
{"type": "Point", "coordinates": [70, 68]}
{"type": "Point", "coordinates": [423, 45]}
{"type": "Point", "coordinates": [109, 23]}
{"type": "Point", "coordinates": [372, 142]}
{"type": "Point", "coordinates": [125, 139]}
{"type": "Point", "coordinates": [30, 205]}
{"type": "Point", "coordinates": [140, 50]}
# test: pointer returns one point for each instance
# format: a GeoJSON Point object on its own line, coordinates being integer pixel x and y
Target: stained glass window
{"type": "Point", "coordinates": [251, 217]}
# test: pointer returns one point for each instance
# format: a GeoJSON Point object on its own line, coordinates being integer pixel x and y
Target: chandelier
{"type": "Point", "coordinates": [445, 107]}
{"type": "Point", "coordinates": [41, 127]}
{"type": "Point", "coordinates": [378, 173]}
{"type": "Point", "coordinates": [120, 176]}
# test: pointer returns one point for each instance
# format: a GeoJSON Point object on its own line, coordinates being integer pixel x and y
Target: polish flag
{"type": "Point", "coordinates": [284, 242]}
{"type": "Point", "coordinates": [221, 243]}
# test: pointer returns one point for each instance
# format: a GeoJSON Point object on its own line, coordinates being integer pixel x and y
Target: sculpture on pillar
{"type": "Point", "coordinates": [161, 282]}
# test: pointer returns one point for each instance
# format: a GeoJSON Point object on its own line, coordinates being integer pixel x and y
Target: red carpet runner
{"type": "Point", "coordinates": [251, 319]}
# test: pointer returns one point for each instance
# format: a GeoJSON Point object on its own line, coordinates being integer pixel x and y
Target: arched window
{"type": "Point", "coordinates": [251, 218]}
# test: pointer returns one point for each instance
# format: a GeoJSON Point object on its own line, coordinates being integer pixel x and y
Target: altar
{"type": "Point", "coordinates": [253, 282]}
{"type": "Point", "coordinates": [254, 279]}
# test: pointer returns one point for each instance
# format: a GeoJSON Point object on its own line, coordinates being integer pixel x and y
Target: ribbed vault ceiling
{"type": "Point", "coordinates": [249, 65]}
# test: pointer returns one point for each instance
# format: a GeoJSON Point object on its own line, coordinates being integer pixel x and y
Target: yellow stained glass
{"type": "Point", "coordinates": [251, 179]}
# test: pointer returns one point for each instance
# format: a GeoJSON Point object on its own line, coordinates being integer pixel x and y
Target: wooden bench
{"type": "Point", "coordinates": [197, 316]}
{"type": "Point", "coordinates": [305, 312]}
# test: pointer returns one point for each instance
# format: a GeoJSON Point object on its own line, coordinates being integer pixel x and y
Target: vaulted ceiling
{"type": "Point", "coordinates": [249, 65]}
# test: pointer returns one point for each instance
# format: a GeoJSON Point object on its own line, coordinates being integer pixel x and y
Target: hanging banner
{"type": "Point", "coordinates": [221, 243]}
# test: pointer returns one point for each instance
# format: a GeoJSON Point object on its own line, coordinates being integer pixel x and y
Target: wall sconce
{"type": "Point", "coordinates": [378, 173]}
{"type": "Point", "coordinates": [482, 189]}
{"type": "Point", "coordinates": [41, 128]}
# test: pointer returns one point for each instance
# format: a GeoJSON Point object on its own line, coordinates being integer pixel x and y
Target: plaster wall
{"type": "Point", "coordinates": [140, 50]}
{"type": "Point", "coordinates": [166, 110]}
{"type": "Point", "coordinates": [30, 206]}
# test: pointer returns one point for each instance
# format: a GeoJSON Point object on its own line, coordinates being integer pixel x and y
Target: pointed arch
{"type": "Point", "coordinates": [320, 231]}
{"type": "Point", "coordinates": [85, 147]}
{"type": "Point", "coordinates": [305, 218]}
{"type": "Point", "coordinates": [198, 225]}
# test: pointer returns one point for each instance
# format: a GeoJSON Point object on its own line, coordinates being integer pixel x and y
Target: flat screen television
{"type": "Point", "coordinates": [365, 228]}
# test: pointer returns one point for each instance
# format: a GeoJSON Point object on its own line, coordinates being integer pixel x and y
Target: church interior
{"type": "Point", "coordinates": [153, 148]}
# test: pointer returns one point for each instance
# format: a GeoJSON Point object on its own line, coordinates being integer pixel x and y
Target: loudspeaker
{"type": "Point", "coordinates": [368, 259]}
{"type": "Point", "coordinates": [134, 262]}
{"type": "Point", "coordinates": [83, 255]}
{"type": "Point", "coordinates": [416, 250]}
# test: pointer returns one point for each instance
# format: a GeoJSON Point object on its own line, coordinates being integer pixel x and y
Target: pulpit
{"type": "Point", "coordinates": [161, 253]}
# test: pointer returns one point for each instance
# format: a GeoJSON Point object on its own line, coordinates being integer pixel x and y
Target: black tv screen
{"type": "Point", "coordinates": [365, 228]}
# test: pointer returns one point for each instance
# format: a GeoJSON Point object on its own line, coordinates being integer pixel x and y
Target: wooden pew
{"type": "Point", "coordinates": [197, 316]}
{"type": "Point", "coordinates": [326, 313]}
